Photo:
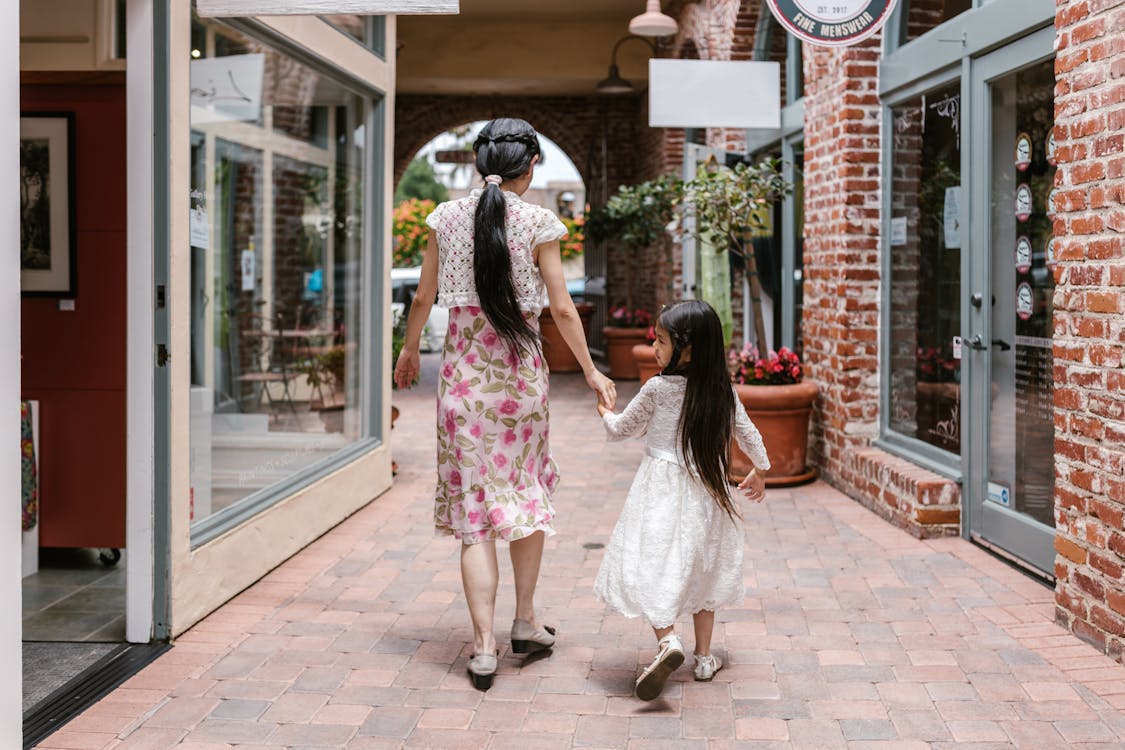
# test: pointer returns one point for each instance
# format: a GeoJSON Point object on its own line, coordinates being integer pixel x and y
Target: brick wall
{"type": "Point", "coordinates": [841, 273]}
{"type": "Point", "coordinates": [840, 318]}
{"type": "Point", "coordinates": [580, 125]}
{"type": "Point", "coordinates": [607, 138]}
{"type": "Point", "coordinates": [1090, 322]}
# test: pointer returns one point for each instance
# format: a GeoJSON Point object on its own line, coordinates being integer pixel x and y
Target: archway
{"type": "Point", "coordinates": [443, 169]}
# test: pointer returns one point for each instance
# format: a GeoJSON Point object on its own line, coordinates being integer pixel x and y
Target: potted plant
{"type": "Point", "coordinates": [325, 374]}
{"type": "Point", "coordinates": [625, 329]}
{"type": "Point", "coordinates": [636, 216]}
{"type": "Point", "coordinates": [645, 357]}
{"type": "Point", "coordinates": [779, 401]}
{"type": "Point", "coordinates": [728, 204]}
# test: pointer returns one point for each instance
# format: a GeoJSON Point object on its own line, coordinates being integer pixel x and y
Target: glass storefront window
{"type": "Point", "coordinates": [919, 16]}
{"type": "Point", "coordinates": [278, 166]}
{"type": "Point", "coordinates": [925, 284]}
{"type": "Point", "coordinates": [1022, 435]}
{"type": "Point", "coordinates": [795, 71]}
{"type": "Point", "coordinates": [367, 30]}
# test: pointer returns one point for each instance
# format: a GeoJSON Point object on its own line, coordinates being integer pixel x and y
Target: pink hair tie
{"type": "Point", "coordinates": [493, 179]}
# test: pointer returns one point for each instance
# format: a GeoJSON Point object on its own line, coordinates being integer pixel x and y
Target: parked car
{"type": "Point", "coordinates": [404, 285]}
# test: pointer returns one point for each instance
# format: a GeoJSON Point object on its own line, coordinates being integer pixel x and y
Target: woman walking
{"type": "Point", "coordinates": [490, 259]}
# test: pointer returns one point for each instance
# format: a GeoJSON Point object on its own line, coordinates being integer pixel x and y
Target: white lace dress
{"type": "Point", "coordinates": [674, 551]}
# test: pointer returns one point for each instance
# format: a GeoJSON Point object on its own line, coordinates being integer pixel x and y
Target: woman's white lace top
{"type": "Point", "coordinates": [528, 226]}
{"type": "Point", "coordinates": [655, 413]}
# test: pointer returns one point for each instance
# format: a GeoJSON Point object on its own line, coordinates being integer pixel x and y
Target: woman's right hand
{"type": "Point", "coordinates": [604, 387]}
{"type": "Point", "coordinates": [407, 367]}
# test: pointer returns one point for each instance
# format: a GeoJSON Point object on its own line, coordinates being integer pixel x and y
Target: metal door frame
{"type": "Point", "coordinates": [1007, 528]}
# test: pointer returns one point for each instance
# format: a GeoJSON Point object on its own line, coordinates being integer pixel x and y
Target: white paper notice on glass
{"type": "Point", "coordinates": [957, 347]}
{"type": "Point", "coordinates": [225, 89]}
{"type": "Point", "coordinates": [952, 217]}
{"type": "Point", "coordinates": [898, 231]}
{"type": "Point", "coordinates": [197, 223]}
{"type": "Point", "coordinates": [247, 261]}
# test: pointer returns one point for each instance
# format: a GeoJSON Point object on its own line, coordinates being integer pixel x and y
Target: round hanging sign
{"type": "Point", "coordinates": [832, 23]}
{"type": "Point", "coordinates": [1050, 147]}
{"type": "Point", "coordinates": [1023, 201]}
{"type": "Point", "coordinates": [1049, 253]}
{"type": "Point", "coordinates": [1025, 301]}
{"type": "Point", "coordinates": [1023, 254]}
{"type": "Point", "coordinates": [1023, 152]}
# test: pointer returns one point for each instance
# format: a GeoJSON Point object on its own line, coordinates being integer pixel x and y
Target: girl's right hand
{"type": "Point", "coordinates": [407, 367]}
{"type": "Point", "coordinates": [604, 387]}
{"type": "Point", "coordinates": [753, 486]}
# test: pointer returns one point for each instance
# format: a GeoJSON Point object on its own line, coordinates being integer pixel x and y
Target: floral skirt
{"type": "Point", "coordinates": [495, 471]}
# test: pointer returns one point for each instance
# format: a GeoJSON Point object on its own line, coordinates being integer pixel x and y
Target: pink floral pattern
{"type": "Point", "coordinates": [495, 471]}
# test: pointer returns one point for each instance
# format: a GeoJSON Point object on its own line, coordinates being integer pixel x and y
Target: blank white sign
{"type": "Point", "coordinates": [714, 94]}
{"type": "Point", "coordinates": [227, 8]}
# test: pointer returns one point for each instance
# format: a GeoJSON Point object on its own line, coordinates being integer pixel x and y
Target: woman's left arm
{"type": "Point", "coordinates": [409, 360]}
{"type": "Point", "coordinates": [570, 324]}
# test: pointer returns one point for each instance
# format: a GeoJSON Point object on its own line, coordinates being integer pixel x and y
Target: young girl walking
{"type": "Point", "coordinates": [677, 547]}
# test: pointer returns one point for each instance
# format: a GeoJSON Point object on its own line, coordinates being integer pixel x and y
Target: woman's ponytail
{"type": "Point", "coordinates": [504, 149]}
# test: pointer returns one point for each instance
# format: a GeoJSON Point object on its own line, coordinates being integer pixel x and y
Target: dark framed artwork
{"type": "Point", "coordinates": [47, 232]}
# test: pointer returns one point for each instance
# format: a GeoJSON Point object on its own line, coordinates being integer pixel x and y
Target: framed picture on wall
{"type": "Point", "coordinates": [47, 232]}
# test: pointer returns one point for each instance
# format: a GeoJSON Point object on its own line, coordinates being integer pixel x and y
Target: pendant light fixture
{"type": "Point", "coordinates": [614, 83]}
{"type": "Point", "coordinates": [653, 22]}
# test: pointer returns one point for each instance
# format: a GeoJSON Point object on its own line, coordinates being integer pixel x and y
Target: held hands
{"type": "Point", "coordinates": [603, 409]}
{"type": "Point", "coordinates": [753, 486]}
{"type": "Point", "coordinates": [604, 387]}
{"type": "Point", "coordinates": [407, 367]}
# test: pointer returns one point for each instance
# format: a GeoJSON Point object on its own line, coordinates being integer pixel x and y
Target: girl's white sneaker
{"type": "Point", "coordinates": [671, 655]}
{"type": "Point", "coordinates": [706, 667]}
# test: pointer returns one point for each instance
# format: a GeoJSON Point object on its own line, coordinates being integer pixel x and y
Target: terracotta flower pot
{"type": "Point", "coordinates": [781, 414]}
{"type": "Point", "coordinates": [619, 343]}
{"type": "Point", "coordinates": [645, 355]}
{"type": "Point", "coordinates": [555, 351]}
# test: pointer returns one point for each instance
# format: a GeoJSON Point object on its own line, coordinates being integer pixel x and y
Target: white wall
{"type": "Point", "coordinates": [11, 627]}
{"type": "Point", "coordinates": [139, 421]}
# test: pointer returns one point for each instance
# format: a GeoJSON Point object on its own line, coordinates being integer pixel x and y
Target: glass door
{"type": "Point", "coordinates": [1010, 467]}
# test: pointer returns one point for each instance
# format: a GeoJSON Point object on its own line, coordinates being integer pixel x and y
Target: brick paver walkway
{"type": "Point", "coordinates": [853, 635]}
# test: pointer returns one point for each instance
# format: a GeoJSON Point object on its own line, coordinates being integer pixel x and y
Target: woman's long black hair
{"type": "Point", "coordinates": [707, 418]}
{"type": "Point", "coordinates": [505, 147]}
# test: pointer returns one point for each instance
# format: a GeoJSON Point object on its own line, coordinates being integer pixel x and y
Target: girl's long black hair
{"type": "Point", "coordinates": [707, 419]}
{"type": "Point", "coordinates": [504, 147]}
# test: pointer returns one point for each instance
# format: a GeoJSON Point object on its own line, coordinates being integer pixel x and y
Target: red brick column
{"type": "Point", "coordinates": [1090, 322]}
{"type": "Point", "coordinates": [841, 310]}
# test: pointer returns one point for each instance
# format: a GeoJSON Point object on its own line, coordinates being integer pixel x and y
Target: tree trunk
{"type": "Point", "coordinates": [755, 298]}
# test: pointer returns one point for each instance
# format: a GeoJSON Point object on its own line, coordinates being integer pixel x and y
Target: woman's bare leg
{"type": "Point", "coordinates": [527, 554]}
{"type": "Point", "coordinates": [480, 577]}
